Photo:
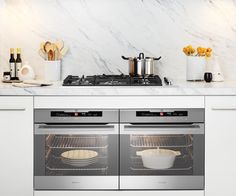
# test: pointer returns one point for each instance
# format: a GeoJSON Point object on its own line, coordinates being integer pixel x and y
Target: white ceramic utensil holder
{"type": "Point", "coordinates": [195, 68]}
{"type": "Point", "coordinates": [52, 71]}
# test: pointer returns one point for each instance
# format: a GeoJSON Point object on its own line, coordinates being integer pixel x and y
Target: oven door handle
{"type": "Point", "coordinates": [195, 128]}
{"type": "Point", "coordinates": [44, 129]}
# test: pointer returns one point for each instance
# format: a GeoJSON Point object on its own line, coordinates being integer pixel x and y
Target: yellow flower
{"type": "Point", "coordinates": [199, 50]}
{"type": "Point", "coordinates": [209, 50]}
{"type": "Point", "coordinates": [192, 50]}
{"type": "Point", "coordinates": [186, 51]}
{"type": "Point", "coordinates": [208, 54]}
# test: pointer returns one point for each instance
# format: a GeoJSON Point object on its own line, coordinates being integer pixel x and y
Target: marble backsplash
{"type": "Point", "coordinates": [98, 32]}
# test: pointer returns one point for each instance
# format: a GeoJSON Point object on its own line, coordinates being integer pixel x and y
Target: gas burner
{"type": "Point", "coordinates": [112, 80]}
{"type": "Point", "coordinates": [152, 80]}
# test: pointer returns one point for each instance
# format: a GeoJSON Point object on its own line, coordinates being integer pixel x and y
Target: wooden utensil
{"type": "Point", "coordinates": [46, 46]}
{"type": "Point", "coordinates": [59, 44]}
{"type": "Point", "coordinates": [42, 54]}
{"type": "Point", "coordinates": [52, 48]}
{"type": "Point", "coordinates": [53, 51]}
{"type": "Point", "coordinates": [50, 55]}
{"type": "Point", "coordinates": [42, 46]}
{"type": "Point", "coordinates": [58, 55]}
{"type": "Point", "coordinates": [64, 50]}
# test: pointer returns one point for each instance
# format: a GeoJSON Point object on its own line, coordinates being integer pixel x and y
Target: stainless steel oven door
{"type": "Point", "coordinates": [90, 159]}
{"type": "Point", "coordinates": [187, 172]}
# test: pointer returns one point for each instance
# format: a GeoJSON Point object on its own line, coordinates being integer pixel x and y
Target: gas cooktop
{"type": "Point", "coordinates": [112, 80]}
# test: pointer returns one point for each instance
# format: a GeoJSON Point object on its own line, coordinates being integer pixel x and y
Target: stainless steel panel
{"type": "Point", "coordinates": [44, 116]}
{"type": "Point", "coordinates": [121, 193]}
{"type": "Point", "coordinates": [162, 182]}
{"type": "Point", "coordinates": [12, 109]}
{"type": "Point", "coordinates": [76, 182]}
{"type": "Point", "coordinates": [43, 129]}
{"type": "Point", "coordinates": [194, 115]}
{"type": "Point", "coordinates": [170, 129]}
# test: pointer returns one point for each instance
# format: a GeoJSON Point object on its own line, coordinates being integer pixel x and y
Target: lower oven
{"type": "Point", "coordinates": [76, 149]}
{"type": "Point", "coordinates": [162, 149]}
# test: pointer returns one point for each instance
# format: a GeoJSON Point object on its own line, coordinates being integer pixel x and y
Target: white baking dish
{"type": "Point", "coordinates": [158, 158]}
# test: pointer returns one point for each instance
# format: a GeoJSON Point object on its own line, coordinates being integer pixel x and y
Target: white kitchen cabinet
{"type": "Point", "coordinates": [220, 157]}
{"type": "Point", "coordinates": [16, 146]}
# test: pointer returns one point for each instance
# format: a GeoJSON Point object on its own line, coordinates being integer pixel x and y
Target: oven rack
{"type": "Point", "coordinates": [77, 141]}
{"type": "Point", "coordinates": [56, 164]}
{"type": "Point", "coordinates": [137, 165]}
{"type": "Point", "coordinates": [160, 141]}
{"type": "Point", "coordinates": [78, 169]}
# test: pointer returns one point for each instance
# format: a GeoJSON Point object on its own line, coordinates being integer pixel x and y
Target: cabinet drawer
{"type": "Point", "coordinates": [220, 145]}
{"type": "Point", "coordinates": [120, 102]}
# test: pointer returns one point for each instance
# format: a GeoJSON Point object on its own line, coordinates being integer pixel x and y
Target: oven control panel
{"type": "Point", "coordinates": [162, 114]}
{"type": "Point", "coordinates": [76, 114]}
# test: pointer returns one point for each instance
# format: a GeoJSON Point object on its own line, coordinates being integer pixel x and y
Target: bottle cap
{"type": "Point", "coordinates": [18, 50]}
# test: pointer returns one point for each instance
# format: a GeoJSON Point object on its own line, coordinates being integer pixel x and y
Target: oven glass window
{"type": "Point", "coordinates": [76, 155]}
{"type": "Point", "coordinates": [162, 154]}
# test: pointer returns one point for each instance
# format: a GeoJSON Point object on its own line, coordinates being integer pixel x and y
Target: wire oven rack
{"type": "Point", "coordinates": [182, 163]}
{"type": "Point", "coordinates": [77, 141]}
{"type": "Point", "coordinates": [160, 141]}
{"type": "Point", "coordinates": [56, 164]}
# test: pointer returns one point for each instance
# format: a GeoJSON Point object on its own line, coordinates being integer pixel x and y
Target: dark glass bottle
{"type": "Point", "coordinates": [12, 64]}
{"type": "Point", "coordinates": [18, 62]}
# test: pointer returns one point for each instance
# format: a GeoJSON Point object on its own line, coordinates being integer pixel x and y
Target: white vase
{"type": "Point", "coordinates": [195, 68]}
{"type": "Point", "coordinates": [26, 72]}
{"type": "Point", "coordinates": [52, 71]}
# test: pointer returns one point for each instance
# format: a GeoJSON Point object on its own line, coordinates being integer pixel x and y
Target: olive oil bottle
{"type": "Point", "coordinates": [12, 64]}
{"type": "Point", "coordinates": [18, 63]}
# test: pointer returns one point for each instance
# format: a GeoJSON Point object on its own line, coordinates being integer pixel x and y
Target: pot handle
{"type": "Point", "coordinates": [139, 153]}
{"type": "Point", "coordinates": [157, 59]}
{"type": "Point", "coordinates": [177, 153]}
{"type": "Point", "coordinates": [141, 55]}
{"type": "Point", "coordinates": [125, 58]}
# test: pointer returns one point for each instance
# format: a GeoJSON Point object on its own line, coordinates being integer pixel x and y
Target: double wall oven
{"type": "Point", "coordinates": [98, 149]}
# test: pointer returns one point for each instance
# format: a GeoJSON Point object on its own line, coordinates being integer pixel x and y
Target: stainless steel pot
{"type": "Point", "coordinates": [132, 62]}
{"type": "Point", "coordinates": [149, 65]}
{"type": "Point", "coordinates": [140, 65]}
{"type": "Point", "coordinates": [136, 65]}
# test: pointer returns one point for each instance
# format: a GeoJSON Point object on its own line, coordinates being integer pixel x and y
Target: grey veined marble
{"type": "Point", "coordinates": [98, 32]}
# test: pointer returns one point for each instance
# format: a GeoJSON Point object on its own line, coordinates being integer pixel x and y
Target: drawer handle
{"type": "Point", "coordinates": [12, 109]}
{"type": "Point", "coordinates": [224, 108]}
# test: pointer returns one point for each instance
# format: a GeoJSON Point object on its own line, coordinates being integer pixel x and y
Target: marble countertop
{"type": "Point", "coordinates": [179, 88]}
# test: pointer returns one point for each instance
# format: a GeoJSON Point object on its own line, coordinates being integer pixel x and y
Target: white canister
{"type": "Point", "coordinates": [195, 68]}
{"type": "Point", "coordinates": [52, 71]}
{"type": "Point", "coordinates": [26, 72]}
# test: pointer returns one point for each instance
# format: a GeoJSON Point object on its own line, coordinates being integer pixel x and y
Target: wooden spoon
{"type": "Point", "coordinates": [50, 55]}
{"type": "Point", "coordinates": [64, 50]}
{"type": "Point", "coordinates": [46, 46]}
{"type": "Point", "coordinates": [42, 46]}
{"type": "Point", "coordinates": [59, 44]}
{"type": "Point", "coordinates": [42, 54]}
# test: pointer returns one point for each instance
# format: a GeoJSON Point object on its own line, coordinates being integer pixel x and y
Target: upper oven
{"type": "Point", "coordinates": [76, 149]}
{"type": "Point", "coordinates": [162, 149]}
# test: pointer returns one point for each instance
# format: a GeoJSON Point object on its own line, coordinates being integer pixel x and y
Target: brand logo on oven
{"type": "Point", "coordinates": [162, 182]}
{"type": "Point", "coordinates": [75, 182]}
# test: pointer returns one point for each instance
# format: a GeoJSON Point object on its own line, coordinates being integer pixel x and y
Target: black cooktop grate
{"type": "Point", "coordinates": [112, 80]}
